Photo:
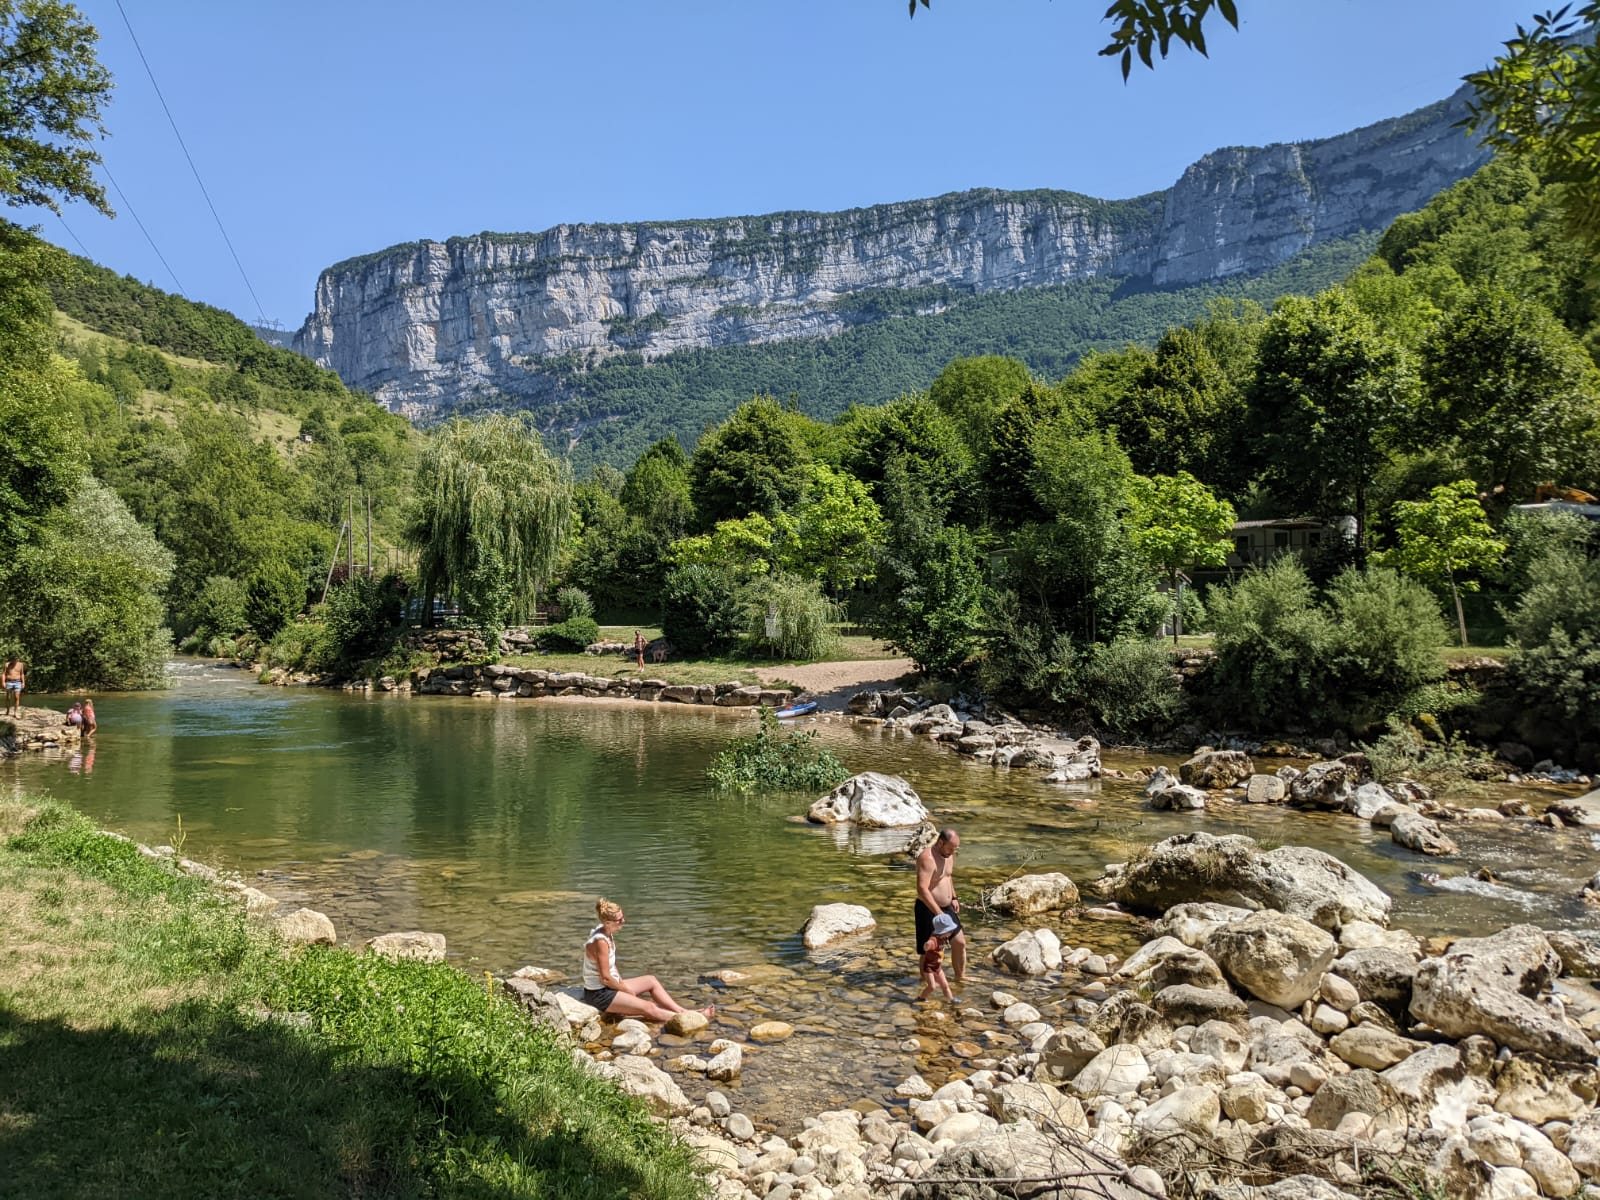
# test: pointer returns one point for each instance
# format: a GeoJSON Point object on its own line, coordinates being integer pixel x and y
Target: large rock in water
{"type": "Point", "coordinates": [1232, 870]}
{"type": "Point", "coordinates": [1330, 785]}
{"type": "Point", "coordinates": [1578, 810]}
{"type": "Point", "coordinates": [1031, 952]}
{"type": "Point", "coordinates": [1484, 985]}
{"type": "Point", "coordinates": [871, 800]}
{"type": "Point", "coordinates": [1029, 894]}
{"type": "Point", "coordinates": [1273, 956]}
{"type": "Point", "coordinates": [830, 922]}
{"type": "Point", "coordinates": [1216, 769]}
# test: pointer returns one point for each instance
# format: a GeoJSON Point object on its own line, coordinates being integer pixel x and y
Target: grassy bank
{"type": "Point", "coordinates": [155, 1043]}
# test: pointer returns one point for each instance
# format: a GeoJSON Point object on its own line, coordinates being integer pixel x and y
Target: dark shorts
{"type": "Point", "coordinates": [600, 998]}
{"type": "Point", "coordinates": [925, 917]}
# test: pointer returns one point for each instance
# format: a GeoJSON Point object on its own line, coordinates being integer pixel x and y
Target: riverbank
{"type": "Point", "coordinates": [163, 1044]}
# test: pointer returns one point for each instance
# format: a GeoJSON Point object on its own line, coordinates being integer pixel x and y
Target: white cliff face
{"type": "Point", "coordinates": [425, 325]}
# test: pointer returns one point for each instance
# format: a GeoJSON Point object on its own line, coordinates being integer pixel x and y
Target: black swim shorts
{"type": "Point", "coordinates": [600, 998]}
{"type": "Point", "coordinates": [924, 917]}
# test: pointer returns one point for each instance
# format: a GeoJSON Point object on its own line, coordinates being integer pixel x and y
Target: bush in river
{"type": "Point", "coordinates": [776, 760]}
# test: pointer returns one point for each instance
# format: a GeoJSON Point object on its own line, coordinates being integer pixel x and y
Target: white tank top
{"type": "Point", "coordinates": [591, 973]}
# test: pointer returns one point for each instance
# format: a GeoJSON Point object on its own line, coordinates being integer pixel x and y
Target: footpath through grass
{"type": "Point", "coordinates": [153, 1042]}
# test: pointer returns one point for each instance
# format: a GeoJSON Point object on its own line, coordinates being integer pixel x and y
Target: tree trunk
{"type": "Point", "coordinates": [1361, 529]}
{"type": "Point", "coordinates": [1461, 616]}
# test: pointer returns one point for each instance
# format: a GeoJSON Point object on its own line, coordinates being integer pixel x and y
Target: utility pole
{"type": "Point", "coordinates": [368, 496]}
{"type": "Point", "coordinates": [350, 561]}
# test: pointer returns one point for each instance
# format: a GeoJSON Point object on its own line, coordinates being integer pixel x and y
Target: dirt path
{"type": "Point", "coordinates": [831, 684]}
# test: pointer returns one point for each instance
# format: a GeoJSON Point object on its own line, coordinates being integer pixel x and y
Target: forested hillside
{"type": "Point", "coordinates": [176, 472]}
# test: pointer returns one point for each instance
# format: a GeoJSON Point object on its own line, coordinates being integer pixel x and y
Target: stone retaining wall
{"type": "Point", "coordinates": [499, 680]}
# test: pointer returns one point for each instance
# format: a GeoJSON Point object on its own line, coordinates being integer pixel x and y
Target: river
{"type": "Point", "coordinates": [498, 823]}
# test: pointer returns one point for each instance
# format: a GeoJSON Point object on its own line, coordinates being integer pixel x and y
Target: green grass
{"type": "Point", "coordinates": [142, 1053]}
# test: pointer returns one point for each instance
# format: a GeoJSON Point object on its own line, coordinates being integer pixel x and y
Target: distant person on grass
{"type": "Point", "coordinates": [638, 648]}
{"type": "Point", "coordinates": [936, 894]}
{"type": "Point", "coordinates": [945, 930]}
{"type": "Point", "coordinates": [16, 680]}
{"type": "Point", "coordinates": [608, 991]}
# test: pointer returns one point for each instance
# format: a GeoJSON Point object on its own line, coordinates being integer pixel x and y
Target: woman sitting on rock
{"type": "Point", "coordinates": [608, 991]}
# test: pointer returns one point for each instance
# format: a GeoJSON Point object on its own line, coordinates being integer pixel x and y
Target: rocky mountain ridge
{"type": "Point", "coordinates": [428, 325]}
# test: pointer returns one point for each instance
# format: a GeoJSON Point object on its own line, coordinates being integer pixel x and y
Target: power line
{"type": "Point", "coordinates": [74, 236]}
{"type": "Point", "coordinates": [260, 311]}
{"type": "Point", "coordinates": [128, 204]}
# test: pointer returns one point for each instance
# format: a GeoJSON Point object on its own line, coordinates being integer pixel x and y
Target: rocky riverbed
{"type": "Point", "coordinates": [1300, 1047]}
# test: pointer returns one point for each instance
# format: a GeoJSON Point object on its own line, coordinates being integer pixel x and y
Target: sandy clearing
{"type": "Point", "coordinates": [831, 684]}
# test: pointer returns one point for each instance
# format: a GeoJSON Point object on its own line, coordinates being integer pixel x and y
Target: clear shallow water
{"type": "Point", "coordinates": [498, 823]}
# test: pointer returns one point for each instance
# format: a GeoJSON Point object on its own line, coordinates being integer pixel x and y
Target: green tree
{"type": "Point", "coordinates": [1009, 465]}
{"type": "Point", "coordinates": [837, 530]}
{"type": "Point", "coordinates": [917, 433]}
{"type": "Point", "coordinates": [970, 391]}
{"type": "Point", "coordinates": [1330, 392]}
{"type": "Point", "coordinates": [930, 600]}
{"type": "Point", "coordinates": [54, 89]}
{"type": "Point", "coordinates": [84, 597]}
{"type": "Point", "coordinates": [1186, 414]}
{"type": "Point", "coordinates": [1175, 522]}
{"type": "Point", "coordinates": [754, 462]}
{"type": "Point", "coordinates": [490, 516]}
{"type": "Point", "coordinates": [1514, 389]}
{"type": "Point", "coordinates": [1443, 541]}
{"type": "Point", "coordinates": [1540, 102]}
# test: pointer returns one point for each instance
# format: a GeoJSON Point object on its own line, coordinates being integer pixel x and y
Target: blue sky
{"type": "Point", "coordinates": [325, 130]}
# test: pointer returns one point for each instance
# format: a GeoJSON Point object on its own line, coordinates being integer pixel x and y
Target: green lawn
{"type": "Point", "coordinates": [153, 1042]}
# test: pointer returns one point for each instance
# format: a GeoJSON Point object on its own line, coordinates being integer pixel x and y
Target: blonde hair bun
{"type": "Point", "coordinates": [607, 910]}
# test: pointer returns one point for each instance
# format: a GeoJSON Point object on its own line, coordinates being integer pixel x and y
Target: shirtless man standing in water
{"type": "Point", "coordinates": [936, 893]}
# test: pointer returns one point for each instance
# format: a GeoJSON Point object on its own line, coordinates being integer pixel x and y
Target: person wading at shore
{"type": "Point", "coordinates": [16, 681]}
{"type": "Point", "coordinates": [608, 991]}
{"type": "Point", "coordinates": [936, 893]}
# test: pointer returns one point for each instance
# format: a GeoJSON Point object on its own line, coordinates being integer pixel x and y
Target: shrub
{"type": "Point", "coordinates": [302, 645]}
{"type": "Point", "coordinates": [1449, 767]}
{"type": "Point", "coordinates": [363, 617]}
{"type": "Point", "coordinates": [1387, 637]}
{"type": "Point", "coordinates": [574, 602]}
{"type": "Point", "coordinates": [1129, 685]}
{"type": "Point", "coordinates": [700, 609]}
{"type": "Point", "coordinates": [220, 609]}
{"type": "Point", "coordinates": [776, 759]}
{"type": "Point", "coordinates": [1195, 617]}
{"type": "Point", "coordinates": [1555, 631]}
{"type": "Point", "coordinates": [1272, 644]}
{"type": "Point", "coordinates": [274, 596]}
{"type": "Point", "coordinates": [1282, 655]}
{"type": "Point", "coordinates": [566, 636]}
{"type": "Point", "coordinates": [790, 618]}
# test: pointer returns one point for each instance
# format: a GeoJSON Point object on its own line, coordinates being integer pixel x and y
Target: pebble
{"type": "Point", "coordinates": [719, 1104]}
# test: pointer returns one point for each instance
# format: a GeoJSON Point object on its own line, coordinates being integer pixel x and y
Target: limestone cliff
{"type": "Point", "coordinates": [428, 324]}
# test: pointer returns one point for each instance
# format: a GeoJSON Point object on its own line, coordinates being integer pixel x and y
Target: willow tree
{"type": "Point", "coordinates": [489, 517]}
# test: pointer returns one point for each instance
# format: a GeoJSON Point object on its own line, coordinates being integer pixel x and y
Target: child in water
{"type": "Point", "coordinates": [944, 928]}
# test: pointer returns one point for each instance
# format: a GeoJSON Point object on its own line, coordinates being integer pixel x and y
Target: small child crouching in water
{"type": "Point", "coordinates": [944, 928]}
